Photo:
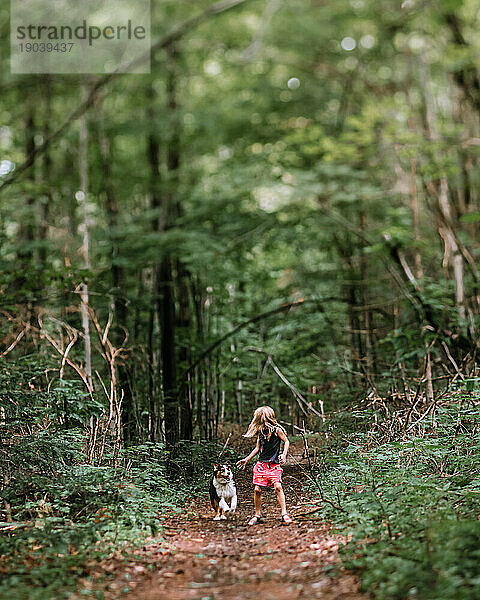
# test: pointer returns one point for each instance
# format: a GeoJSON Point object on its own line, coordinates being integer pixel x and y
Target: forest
{"type": "Point", "coordinates": [285, 211]}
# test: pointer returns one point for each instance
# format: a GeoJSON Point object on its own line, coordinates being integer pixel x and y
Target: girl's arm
{"type": "Point", "coordinates": [241, 463]}
{"type": "Point", "coordinates": [286, 445]}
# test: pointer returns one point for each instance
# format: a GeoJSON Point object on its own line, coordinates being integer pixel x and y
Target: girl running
{"type": "Point", "coordinates": [267, 472]}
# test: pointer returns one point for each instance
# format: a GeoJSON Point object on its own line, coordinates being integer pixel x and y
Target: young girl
{"type": "Point", "coordinates": [267, 472]}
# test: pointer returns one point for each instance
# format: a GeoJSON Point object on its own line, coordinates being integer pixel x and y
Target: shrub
{"type": "Point", "coordinates": [411, 507]}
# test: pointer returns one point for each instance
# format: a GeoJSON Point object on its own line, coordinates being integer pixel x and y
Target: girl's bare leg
{"type": "Point", "coordinates": [281, 497]}
{"type": "Point", "coordinates": [257, 500]}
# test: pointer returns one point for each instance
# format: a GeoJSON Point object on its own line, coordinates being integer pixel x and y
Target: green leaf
{"type": "Point", "coordinates": [473, 217]}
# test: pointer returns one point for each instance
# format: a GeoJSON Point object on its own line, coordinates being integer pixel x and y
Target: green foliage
{"type": "Point", "coordinates": [411, 507]}
{"type": "Point", "coordinates": [193, 460]}
{"type": "Point", "coordinates": [85, 513]}
{"type": "Point", "coordinates": [72, 512]}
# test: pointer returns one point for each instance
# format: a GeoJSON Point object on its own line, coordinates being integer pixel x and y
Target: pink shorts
{"type": "Point", "coordinates": [266, 474]}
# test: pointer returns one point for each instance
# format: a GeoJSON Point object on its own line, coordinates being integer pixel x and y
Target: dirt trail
{"type": "Point", "coordinates": [204, 559]}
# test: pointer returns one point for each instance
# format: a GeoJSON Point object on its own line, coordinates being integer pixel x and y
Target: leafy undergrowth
{"type": "Point", "coordinates": [411, 505]}
{"type": "Point", "coordinates": [60, 514]}
{"type": "Point", "coordinates": [82, 514]}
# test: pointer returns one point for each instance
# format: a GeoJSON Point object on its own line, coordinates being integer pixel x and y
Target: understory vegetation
{"type": "Point", "coordinates": [62, 512]}
{"type": "Point", "coordinates": [407, 496]}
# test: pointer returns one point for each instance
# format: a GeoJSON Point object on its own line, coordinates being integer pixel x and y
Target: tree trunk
{"type": "Point", "coordinates": [152, 419]}
{"type": "Point", "coordinates": [47, 171]}
{"type": "Point", "coordinates": [367, 321]}
{"type": "Point", "coordinates": [26, 280]}
{"type": "Point", "coordinates": [166, 280]}
{"type": "Point", "coordinates": [128, 416]}
{"type": "Point", "coordinates": [166, 311]}
{"type": "Point", "coordinates": [184, 324]}
{"type": "Point", "coordinates": [415, 218]}
{"type": "Point", "coordinates": [83, 198]}
{"type": "Point", "coordinates": [446, 228]}
{"type": "Point", "coordinates": [452, 253]}
{"type": "Point", "coordinates": [153, 155]}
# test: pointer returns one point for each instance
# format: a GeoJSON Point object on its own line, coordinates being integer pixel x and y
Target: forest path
{"type": "Point", "coordinates": [202, 559]}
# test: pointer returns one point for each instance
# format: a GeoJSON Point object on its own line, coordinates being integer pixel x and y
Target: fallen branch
{"type": "Point", "coordinates": [317, 508]}
{"type": "Point", "coordinates": [300, 429]}
{"type": "Point", "coordinates": [15, 342]}
{"type": "Point", "coordinates": [298, 396]}
{"type": "Point", "coordinates": [225, 445]}
{"type": "Point", "coordinates": [6, 526]}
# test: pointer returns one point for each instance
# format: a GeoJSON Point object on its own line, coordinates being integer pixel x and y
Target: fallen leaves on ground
{"type": "Point", "coordinates": [201, 559]}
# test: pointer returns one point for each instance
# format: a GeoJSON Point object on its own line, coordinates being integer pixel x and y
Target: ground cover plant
{"type": "Point", "coordinates": [59, 510]}
{"type": "Point", "coordinates": [82, 513]}
{"type": "Point", "coordinates": [410, 505]}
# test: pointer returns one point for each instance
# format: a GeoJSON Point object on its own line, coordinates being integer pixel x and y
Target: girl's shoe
{"type": "Point", "coordinates": [255, 520]}
{"type": "Point", "coordinates": [286, 519]}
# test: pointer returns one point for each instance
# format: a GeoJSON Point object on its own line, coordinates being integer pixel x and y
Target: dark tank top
{"type": "Point", "coordinates": [269, 448]}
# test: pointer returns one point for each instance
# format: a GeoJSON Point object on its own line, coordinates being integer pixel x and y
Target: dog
{"type": "Point", "coordinates": [223, 490]}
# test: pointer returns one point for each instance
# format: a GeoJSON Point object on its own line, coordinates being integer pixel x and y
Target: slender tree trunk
{"type": "Point", "coordinates": [152, 420]}
{"type": "Point", "coordinates": [26, 279]}
{"type": "Point", "coordinates": [415, 218]}
{"type": "Point", "coordinates": [47, 171]}
{"type": "Point", "coordinates": [83, 198]}
{"type": "Point", "coordinates": [354, 320]}
{"type": "Point", "coordinates": [153, 155]}
{"type": "Point", "coordinates": [198, 308]}
{"type": "Point", "coordinates": [199, 401]}
{"type": "Point", "coordinates": [401, 364]}
{"type": "Point", "coordinates": [239, 394]}
{"type": "Point", "coordinates": [166, 310]}
{"type": "Point", "coordinates": [184, 324]}
{"type": "Point", "coordinates": [69, 166]}
{"type": "Point", "coordinates": [222, 410]}
{"type": "Point", "coordinates": [166, 283]}
{"type": "Point", "coordinates": [217, 393]}
{"type": "Point", "coordinates": [128, 416]}
{"type": "Point", "coordinates": [465, 187]}
{"type": "Point", "coordinates": [345, 250]}
{"type": "Point", "coordinates": [452, 254]}
{"type": "Point", "coordinates": [446, 228]}
{"type": "Point", "coordinates": [365, 301]}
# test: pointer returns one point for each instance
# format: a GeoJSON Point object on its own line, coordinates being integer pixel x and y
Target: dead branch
{"type": "Point", "coordinates": [15, 342]}
{"type": "Point", "coordinates": [317, 508]}
{"type": "Point", "coordinates": [224, 447]}
{"type": "Point", "coordinates": [65, 354]}
{"type": "Point", "coordinates": [297, 395]}
{"type": "Point", "coordinates": [300, 429]}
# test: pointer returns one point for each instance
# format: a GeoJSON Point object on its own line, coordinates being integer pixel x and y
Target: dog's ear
{"type": "Point", "coordinates": [215, 466]}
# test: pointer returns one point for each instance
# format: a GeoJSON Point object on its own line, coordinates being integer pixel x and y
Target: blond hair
{"type": "Point", "coordinates": [263, 421]}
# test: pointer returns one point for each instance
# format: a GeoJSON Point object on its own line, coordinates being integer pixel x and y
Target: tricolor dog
{"type": "Point", "coordinates": [222, 492]}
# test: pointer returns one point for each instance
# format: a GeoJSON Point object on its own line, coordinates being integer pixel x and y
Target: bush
{"type": "Point", "coordinates": [412, 508]}
{"type": "Point", "coordinates": [72, 512]}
